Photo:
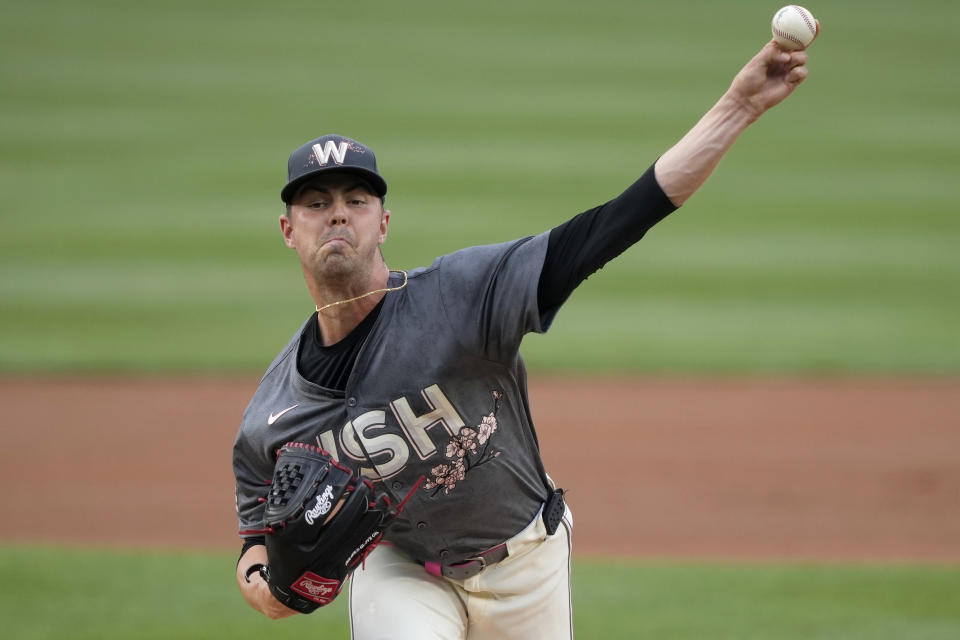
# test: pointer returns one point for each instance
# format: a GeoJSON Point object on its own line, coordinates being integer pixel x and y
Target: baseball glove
{"type": "Point", "coordinates": [322, 520]}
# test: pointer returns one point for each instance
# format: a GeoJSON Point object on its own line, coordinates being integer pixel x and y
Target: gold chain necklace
{"type": "Point", "coordinates": [368, 293]}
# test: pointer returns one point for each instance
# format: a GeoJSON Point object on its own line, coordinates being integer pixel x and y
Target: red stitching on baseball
{"type": "Point", "coordinates": [788, 36]}
{"type": "Point", "coordinates": [806, 19]}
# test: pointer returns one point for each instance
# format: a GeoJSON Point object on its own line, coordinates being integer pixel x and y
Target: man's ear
{"type": "Point", "coordinates": [286, 228]}
{"type": "Point", "coordinates": [384, 224]}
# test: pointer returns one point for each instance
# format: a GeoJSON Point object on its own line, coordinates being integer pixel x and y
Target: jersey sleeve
{"type": "Point", "coordinates": [252, 485]}
{"type": "Point", "coordinates": [584, 244]}
{"type": "Point", "coordinates": [489, 295]}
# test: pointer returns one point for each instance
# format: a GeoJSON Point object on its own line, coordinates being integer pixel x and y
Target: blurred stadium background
{"type": "Point", "coordinates": [144, 146]}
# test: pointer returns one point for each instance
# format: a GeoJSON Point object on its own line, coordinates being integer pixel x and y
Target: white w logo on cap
{"type": "Point", "coordinates": [339, 152]}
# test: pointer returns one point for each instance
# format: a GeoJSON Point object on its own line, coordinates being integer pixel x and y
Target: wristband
{"type": "Point", "coordinates": [257, 567]}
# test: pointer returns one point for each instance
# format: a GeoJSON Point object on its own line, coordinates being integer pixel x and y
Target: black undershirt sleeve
{"type": "Point", "coordinates": [251, 542]}
{"type": "Point", "coordinates": [582, 245]}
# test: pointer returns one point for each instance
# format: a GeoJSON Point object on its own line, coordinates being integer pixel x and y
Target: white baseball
{"type": "Point", "coordinates": [794, 27]}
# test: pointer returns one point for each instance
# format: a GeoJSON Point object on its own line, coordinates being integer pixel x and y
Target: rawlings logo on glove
{"type": "Point", "coordinates": [324, 502]}
{"type": "Point", "coordinates": [308, 564]}
{"type": "Point", "coordinates": [317, 589]}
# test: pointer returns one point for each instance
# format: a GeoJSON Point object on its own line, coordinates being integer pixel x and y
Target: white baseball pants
{"type": "Point", "coordinates": [526, 596]}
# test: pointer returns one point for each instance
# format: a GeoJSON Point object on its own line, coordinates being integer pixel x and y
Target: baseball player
{"type": "Point", "coordinates": [413, 380]}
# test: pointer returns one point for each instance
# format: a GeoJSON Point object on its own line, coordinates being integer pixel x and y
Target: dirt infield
{"type": "Point", "coordinates": [761, 469]}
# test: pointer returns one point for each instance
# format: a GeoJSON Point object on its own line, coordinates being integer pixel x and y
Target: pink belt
{"type": "Point", "coordinates": [469, 567]}
{"type": "Point", "coordinates": [550, 515]}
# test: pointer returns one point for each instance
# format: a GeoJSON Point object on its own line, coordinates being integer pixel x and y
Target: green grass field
{"type": "Point", "coordinates": [144, 145]}
{"type": "Point", "coordinates": [101, 595]}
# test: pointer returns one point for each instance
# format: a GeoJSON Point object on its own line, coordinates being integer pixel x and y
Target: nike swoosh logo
{"type": "Point", "coordinates": [274, 417]}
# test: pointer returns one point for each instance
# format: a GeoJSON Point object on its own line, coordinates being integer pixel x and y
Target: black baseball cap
{"type": "Point", "coordinates": [331, 153]}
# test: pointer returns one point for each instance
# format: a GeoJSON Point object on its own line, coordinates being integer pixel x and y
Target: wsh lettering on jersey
{"type": "Point", "coordinates": [462, 448]}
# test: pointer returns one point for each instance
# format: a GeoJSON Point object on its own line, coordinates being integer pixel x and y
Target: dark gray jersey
{"type": "Point", "coordinates": [438, 391]}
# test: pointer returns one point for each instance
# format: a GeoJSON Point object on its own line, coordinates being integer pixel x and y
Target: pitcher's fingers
{"type": "Point", "coordinates": [798, 59]}
{"type": "Point", "coordinates": [797, 75]}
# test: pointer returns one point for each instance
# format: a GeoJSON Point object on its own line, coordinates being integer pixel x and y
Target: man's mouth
{"type": "Point", "coordinates": [337, 239]}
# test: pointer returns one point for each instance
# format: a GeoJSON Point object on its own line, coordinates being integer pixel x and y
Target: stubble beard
{"type": "Point", "coordinates": [339, 271]}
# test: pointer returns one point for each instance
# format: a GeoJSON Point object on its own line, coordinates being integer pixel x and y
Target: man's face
{"type": "Point", "coordinates": [336, 225]}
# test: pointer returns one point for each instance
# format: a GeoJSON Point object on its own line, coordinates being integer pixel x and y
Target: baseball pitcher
{"type": "Point", "coordinates": [390, 446]}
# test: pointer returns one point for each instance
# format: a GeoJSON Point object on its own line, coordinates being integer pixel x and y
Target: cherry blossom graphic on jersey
{"type": "Point", "coordinates": [466, 451]}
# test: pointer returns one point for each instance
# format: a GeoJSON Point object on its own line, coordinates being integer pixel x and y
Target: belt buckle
{"type": "Point", "coordinates": [469, 567]}
{"type": "Point", "coordinates": [466, 569]}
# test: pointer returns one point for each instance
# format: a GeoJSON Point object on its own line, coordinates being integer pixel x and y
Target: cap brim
{"type": "Point", "coordinates": [379, 184]}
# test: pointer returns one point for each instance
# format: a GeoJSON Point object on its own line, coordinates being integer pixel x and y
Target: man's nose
{"type": "Point", "coordinates": [339, 214]}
